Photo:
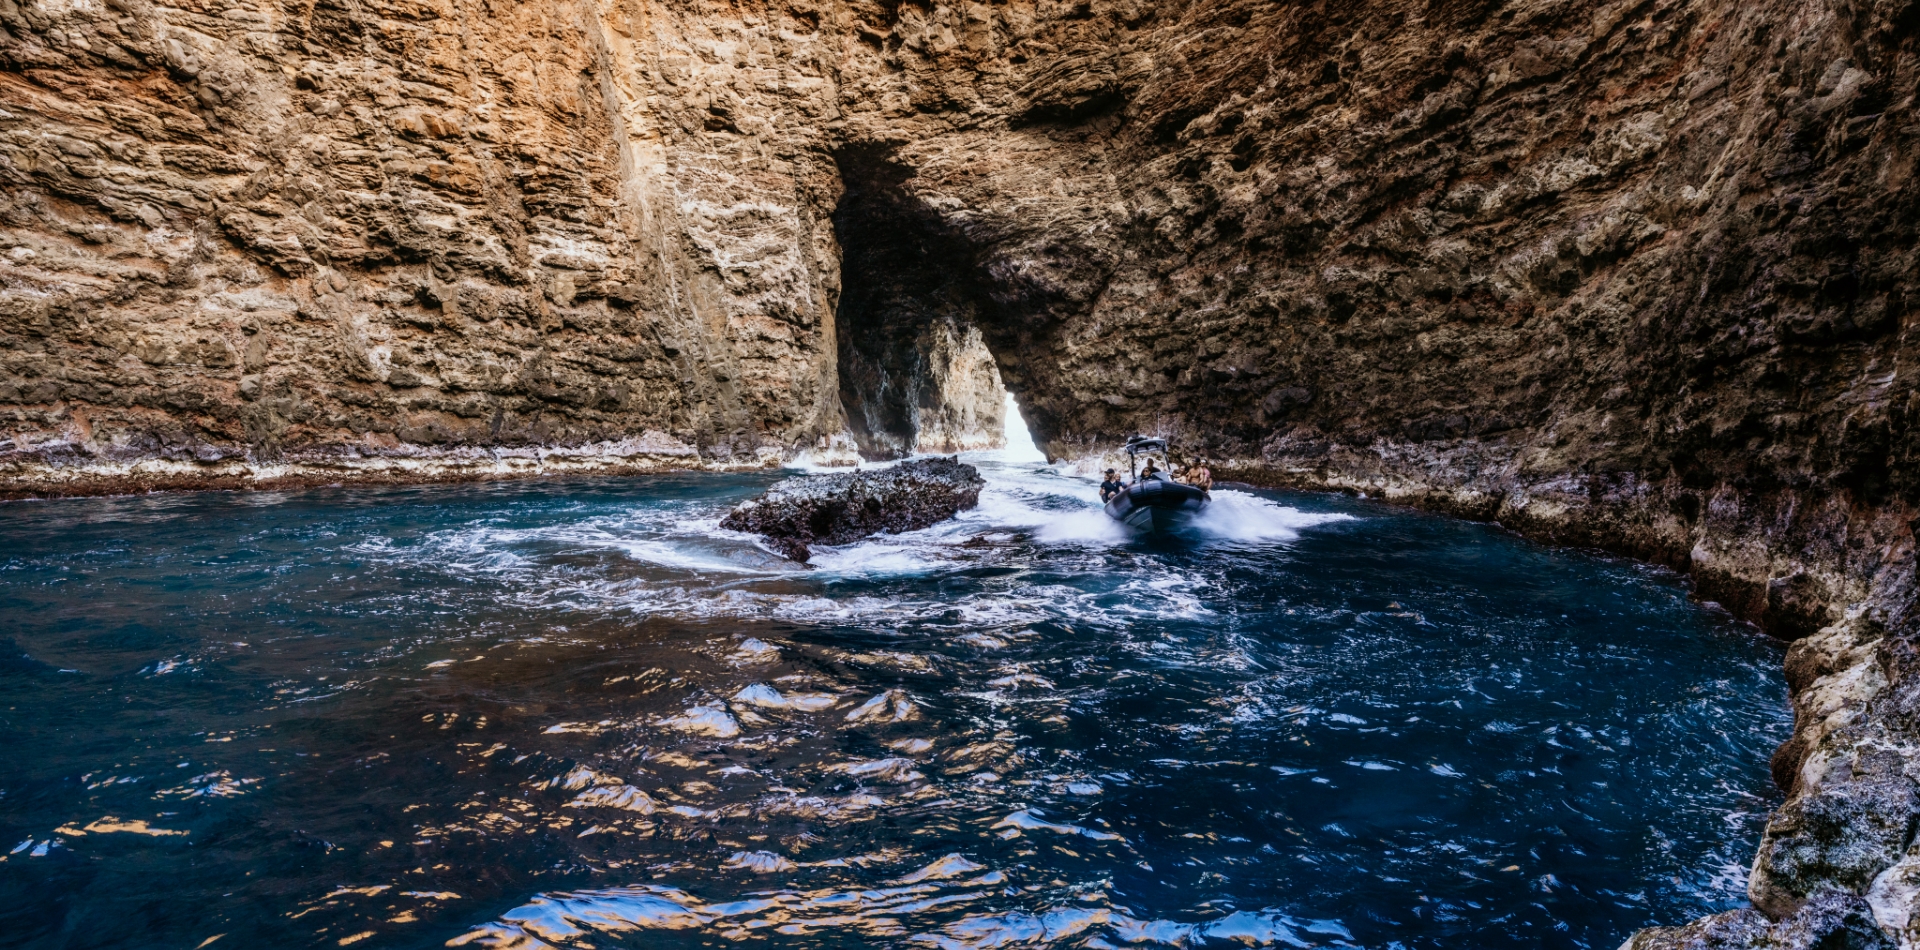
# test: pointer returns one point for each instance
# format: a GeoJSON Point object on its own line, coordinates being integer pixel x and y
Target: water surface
{"type": "Point", "coordinates": [576, 713]}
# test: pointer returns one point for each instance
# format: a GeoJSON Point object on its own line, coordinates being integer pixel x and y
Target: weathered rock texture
{"type": "Point", "coordinates": [1830, 921]}
{"type": "Point", "coordinates": [1632, 273]}
{"type": "Point", "coordinates": [840, 509]}
{"type": "Point", "coordinates": [299, 237]}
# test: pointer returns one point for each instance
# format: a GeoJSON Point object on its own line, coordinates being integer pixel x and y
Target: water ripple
{"type": "Point", "coordinates": [574, 714]}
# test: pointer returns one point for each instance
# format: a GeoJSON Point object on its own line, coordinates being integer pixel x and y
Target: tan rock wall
{"type": "Point", "coordinates": [286, 233]}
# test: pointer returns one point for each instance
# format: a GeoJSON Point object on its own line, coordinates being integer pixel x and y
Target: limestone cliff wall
{"type": "Point", "coordinates": [247, 235]}
{"type": "Point", "coordinates": [1630, 273]}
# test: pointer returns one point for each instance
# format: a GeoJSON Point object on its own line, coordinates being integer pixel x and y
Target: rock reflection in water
{"type": "Point", "coordinates": [577, 714]}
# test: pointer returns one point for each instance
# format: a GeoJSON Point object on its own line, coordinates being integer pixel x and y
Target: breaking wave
{"type": "Point", "coordinates": [1045, 530]}
{"type": "Point", "coordinates": [578, 713]}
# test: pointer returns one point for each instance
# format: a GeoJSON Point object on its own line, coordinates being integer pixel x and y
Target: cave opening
{"type": "Point", "coordinates": [1020, 445]}
{"type": "Point", "coordinates": [917, 373]}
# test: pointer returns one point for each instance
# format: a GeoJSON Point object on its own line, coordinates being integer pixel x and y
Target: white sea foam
{"type": "Point", "coordinates": [874, 559]}
{"type": "Point", "coordinates": [671, 558]}
{"type": "Point", "coordinates": [1088, 527]}
{"type": "Point", "coordinates": [1238, 516]}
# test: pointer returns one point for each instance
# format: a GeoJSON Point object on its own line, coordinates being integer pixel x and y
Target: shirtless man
{"type": "Point", "coordinates": [1201, 477]}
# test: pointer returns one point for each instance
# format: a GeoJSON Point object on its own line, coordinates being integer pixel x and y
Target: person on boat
{"type": "Point", "coordinates": [1149, 472]}
{"type": "Point", "coordinates": [1111, 487]}
{"type": "Point", "coordinates": [1201, 477]}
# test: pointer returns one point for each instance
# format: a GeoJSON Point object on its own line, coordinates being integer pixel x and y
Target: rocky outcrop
{"type": "Point", "coordinates": [842, 509]}
{"type": "Point", "coordinates": [1630, 273]}
{"type": "Point", "coordinates": [1832, 921]}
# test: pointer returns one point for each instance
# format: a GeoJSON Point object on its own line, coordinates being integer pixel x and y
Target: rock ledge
{"type": "Point", "coordinates": [839, 509]}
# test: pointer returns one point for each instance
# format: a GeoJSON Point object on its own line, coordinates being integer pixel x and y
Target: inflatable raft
{"type": "Point", "coordinates": [1155, 503]}
{"type": "Point", "coordinates": [1158, 504]}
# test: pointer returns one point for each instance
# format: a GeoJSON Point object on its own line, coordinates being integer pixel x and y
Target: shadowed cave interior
{"type": "Point", "coordinates": [919, 370]}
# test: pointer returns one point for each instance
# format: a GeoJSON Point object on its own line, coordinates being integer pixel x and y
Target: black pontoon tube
{"type": "Point", "coordinates": [1158, 503]}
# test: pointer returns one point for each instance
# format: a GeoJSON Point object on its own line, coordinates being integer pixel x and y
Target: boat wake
{"type": "Point", "coordinates": [579, 713]}
{"type": "Point", "coordinates": [1039, 547]}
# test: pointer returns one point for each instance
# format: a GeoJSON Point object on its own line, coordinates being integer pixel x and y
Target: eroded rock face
{"type": "Point", "coordinates": [1831, 921]}
{"type": "Point", "coordinates": [1630, 274]}
{"type": "Point", "coordinates": [841, 509]}
{"type": "Point", "coordinates": [250, 239]}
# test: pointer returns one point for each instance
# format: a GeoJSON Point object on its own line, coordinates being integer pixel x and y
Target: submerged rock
{"type": "Point", "coordinates": [838, 509]}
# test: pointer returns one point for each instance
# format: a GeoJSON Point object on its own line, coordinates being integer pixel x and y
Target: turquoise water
{"type": "Point", "coordinates": [575, 713]}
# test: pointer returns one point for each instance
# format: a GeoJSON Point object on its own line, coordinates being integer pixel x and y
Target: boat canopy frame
{"type": "Point", "coordinates": [1139, 444]}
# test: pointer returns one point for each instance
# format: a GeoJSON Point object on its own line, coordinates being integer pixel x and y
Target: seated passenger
{"type": "Point", "coordinates": [1111, 487]}
{"type": "Point", "coordinates": [1148, 472]}
{"type": "Point", "coordinates": [1201, 477]}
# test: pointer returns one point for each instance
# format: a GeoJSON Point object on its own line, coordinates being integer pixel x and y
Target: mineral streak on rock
{"type": "Point", "coordinates": [1636, 274]}
{"type": "Point", "coordinates": [841, 509]}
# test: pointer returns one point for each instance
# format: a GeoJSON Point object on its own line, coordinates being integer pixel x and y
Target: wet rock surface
{"type": "Point", "coordinates": [1832, 921]}
{"type": "Point", "coordinates": [840, 509]}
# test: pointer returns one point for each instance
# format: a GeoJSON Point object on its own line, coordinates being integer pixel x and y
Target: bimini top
{"type": "Point", "coordinates": [1141, 443]}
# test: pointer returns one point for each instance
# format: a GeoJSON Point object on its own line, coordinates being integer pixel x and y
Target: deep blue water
{"type": "Point", "coordinates": [575, 713]}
